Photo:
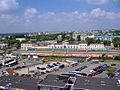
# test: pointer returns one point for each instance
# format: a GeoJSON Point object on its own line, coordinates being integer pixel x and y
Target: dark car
{"type": "Point", "coordinates": [42, 72]}
{"type": "Point", "coordinates": [113, 64]}
{"type": "Point", "coordinates": [110, 75]}
{"type": "Point", "coordinates": [80, 68]}
{"type": "Point", "coordinates": [95, 69]}
{"type": "Point", "coordinates": [50, 66]}
{"type": "Point", "coordinates": [41, 68]}
{"type": "Point", "coordinates": [55, 64]}
{"type": "Point", "coordinates": [83, 74]}
{"type": "Point", "coordinates": [62, 66]}
{"type": "Point", "coordinates": [89, 75]}
{"type": "Point", "coordinates": [118, 71]}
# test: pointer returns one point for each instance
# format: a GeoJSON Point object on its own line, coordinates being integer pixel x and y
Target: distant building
{"type": "Point", "coordinates": [59, 37]}
{"type": "Point", "coordinates": [75, 36]}
{"type": "Point", "coordinates": [44, 43]}
{"type": "Point", "coordinates": [26, 46]}
{"type": "Point", "coordinates": [20, 39]}
{"type": "Point", "coordinates": [83, 37]}
{"type": "Point", "coordinates": [96, 46]}
{"type": "Point", "coordinates": [32, 46]}
{"type": "Point", "coordinates": [110, 38]}
{"type": "Point", "coordinates": [2, 45]}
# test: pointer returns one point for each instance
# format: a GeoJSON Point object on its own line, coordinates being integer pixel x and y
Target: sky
{"type": "Point", "coordinates": [17, 16]}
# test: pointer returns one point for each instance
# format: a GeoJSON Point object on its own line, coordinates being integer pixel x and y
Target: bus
{"type": "Point", "coordinates": [8, 62]}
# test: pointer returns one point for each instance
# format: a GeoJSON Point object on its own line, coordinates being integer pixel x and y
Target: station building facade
{"type": "Point", "coordinates": [83, 46]}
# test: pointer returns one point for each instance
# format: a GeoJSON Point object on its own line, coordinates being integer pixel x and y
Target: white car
{"type": "Point", "coordinates": [74, 72]}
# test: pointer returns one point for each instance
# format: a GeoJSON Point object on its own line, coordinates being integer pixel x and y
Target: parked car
{"type": "Point", "coordinates": [41, 68]}
{"type": "Point", "coordinates": [74, 72]}
{"type": "Point", "coordinates": [42, 72]}
{"type": "Point", "coordinates": [55, 64]}
{"type": "Point", "coordinates": [50, 66]}
{"type": "Point", "coordinates": [82, 74]}
{"type": "Point", "coordinates": [113, 64]}
{"type": "Point", "coordinates": [80, 68]}
{"type": "Point", "coordinates": [61, 66]}
{"type": "Point", "coordinates": [110, 75]}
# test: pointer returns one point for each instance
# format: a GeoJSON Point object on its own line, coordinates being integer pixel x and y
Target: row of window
{"type": "Point", "coordinates": [77, 46]}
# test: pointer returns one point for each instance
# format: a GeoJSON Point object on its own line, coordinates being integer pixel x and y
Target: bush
{"type": "Point", "coordinates": [117, 58]}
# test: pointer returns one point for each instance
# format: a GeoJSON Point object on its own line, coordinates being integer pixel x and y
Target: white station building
{"type": "Point", "coordinates": [29, 46]}
{"type": "Point", "coordinates": [78, 46]}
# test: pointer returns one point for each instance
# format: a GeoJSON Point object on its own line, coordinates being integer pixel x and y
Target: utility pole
{"type": "Point", "coordinates": [28, 70]}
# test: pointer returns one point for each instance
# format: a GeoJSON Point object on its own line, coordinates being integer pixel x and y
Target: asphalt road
{"type": "Point", "coordinates": [87, 70]}
{"type": "Point", "coordinates": [66, 69]}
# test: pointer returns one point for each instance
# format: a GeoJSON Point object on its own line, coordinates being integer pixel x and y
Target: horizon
{"type": "Point", "coordinates": [22, 16]}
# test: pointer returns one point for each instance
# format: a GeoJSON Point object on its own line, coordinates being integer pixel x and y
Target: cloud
{"type": "Point", "coordinates": [61, 21]}
{"type": "Point", "coordinates": [30, 12]}
{"type": "Point", "coordinates": [97, 2]}
{"type": "Point", "coordinates": [97, 12]}
{"type": "Point", "coordinates": [8, 5]}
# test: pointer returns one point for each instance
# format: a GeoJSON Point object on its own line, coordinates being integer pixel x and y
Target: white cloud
{"type": "Point", "coordinates": [97, 2]}
{"type": "Point", "coordinates": [8, 5]}
{"type": "Point", "coordinates": [62, 21]}
{"type": "Point", "coordinates": [30, 12]}
{"type": "Point", "coordinates": [97, 12]}
{"type": "Point", "coordinates": [112, 15]}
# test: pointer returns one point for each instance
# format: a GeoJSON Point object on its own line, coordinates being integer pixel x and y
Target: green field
{"type": "Point", "coordinates": [56, 59]}
{"type": "Point", "coordinates": [112, 61]}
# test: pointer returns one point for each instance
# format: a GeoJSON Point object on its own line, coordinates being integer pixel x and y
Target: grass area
{"type": "Point", "coordinates": [112, 61]}
{"type": "Point", "coordinates": [56, 59]}
{"type": "Point", "coordinates": [111, 70]}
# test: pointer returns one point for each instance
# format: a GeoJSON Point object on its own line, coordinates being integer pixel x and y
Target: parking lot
{"type": "Point", "coordinates": [41, 70]}
{"type": "Point", "coordinates": [90, 66]}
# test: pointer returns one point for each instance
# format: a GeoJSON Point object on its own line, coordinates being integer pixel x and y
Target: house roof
{"type": "Point", "coordinates": [91, 83]}
{"type": "Point", "coordinates": [54, 80]}
{"type": "Point", "coordinates": [26, 83]}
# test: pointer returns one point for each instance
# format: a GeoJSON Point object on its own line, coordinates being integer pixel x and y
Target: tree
{"type": "Point", "coordinates": [79, 38]}
{"type": "Point", "coordinates": [98, 41]}
{"type": "Point", "coordinates": [25, 41]}
{"type": "Point", "coordinates": [116, 42]}
{"type": "Point", "coordinates": [13, 43]}
{"type": "Point", "coordinates": [117, 58]}
{"type": "Point", "coordinates": [89, 40]}
{"type": "Point", "coordinates": [107, 42]}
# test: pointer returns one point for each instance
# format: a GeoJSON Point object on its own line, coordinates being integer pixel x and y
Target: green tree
{"type": "Point", "coordinates": [89, 40]}
{"type": "Point", "coordinates": [117, 58]}
{"type": "Point", "coordinates": [98, 41]}
{"type": "Point", "coordinates": [107, 42]}
{"type": "Point", "coordinates": [13, 43]}
{"type": "Point", "coordinates": [116, 42]}
{"type": "Point", "coordinates": [79, 38]}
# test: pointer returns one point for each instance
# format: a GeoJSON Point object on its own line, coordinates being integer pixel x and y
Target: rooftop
{"type": "Point", "coordinates": [91, 83]}
{"type": "Point", "coordinates": [54, 80]}
{"type": "Point", "coordinates": [26, 83]}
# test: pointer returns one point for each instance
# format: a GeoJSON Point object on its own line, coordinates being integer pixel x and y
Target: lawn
{"type": "Point", "coordinates": [112, 61]}
{"type": "Point", "coordinates": [56, 59]}
{"type": "Point", "coordinates": [111, 70]}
